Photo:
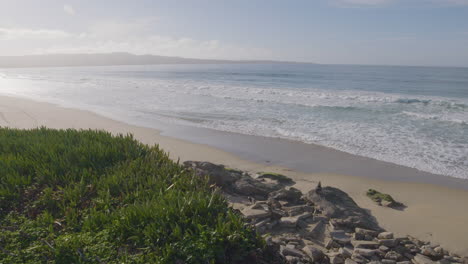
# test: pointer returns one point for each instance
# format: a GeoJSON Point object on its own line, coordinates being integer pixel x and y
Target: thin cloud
{"type": "Point", "coordinates": [452, 2]}
{"type": "Point", "coordinates": [360, 3]}
{"type": "Point", "coordinates": [120, 36]}
{"type": "Point", "coordinates": [26, 33]}
{"type": "Point", "coordinates": [69, 9]}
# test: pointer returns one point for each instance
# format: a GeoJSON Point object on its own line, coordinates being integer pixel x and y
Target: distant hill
{"type": "Point", "coordinates": [106, 59]}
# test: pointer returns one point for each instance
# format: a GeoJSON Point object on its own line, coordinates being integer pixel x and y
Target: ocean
{"type": "Point", "coordinates": [411, 116]}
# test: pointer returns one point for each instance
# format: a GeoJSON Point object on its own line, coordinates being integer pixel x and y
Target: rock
{"type": "Point", "coordinates": [250, 187]}
{"type": "Point", "coordinates": [292, 238]}
{"type": "Point", "coordinates": [387, 203]}
{"type": "Point", "coordinates": [439, 250]}
{"type": "Point", "coordinates": [350, 261]}
{"type": "Point", "coordinates": [292, 221]}
{"type": "Point", "coordinates": [335, 203]}
{"type": "Point", "coordinates": [388, 242]}
{"type": "Point", "coordinates": [216, 174]}
{"type": "Point", "coordinates": [314, 254]}
{"type": "Point", "coordinates": [364, 234]}
{"type": "Point", "coordinates": [388, 261]}
{"type": "Point", "coordinates": [260, 205]}
{"type": "Point", "coordinates": [444, 261]}
{"type": "Point", "coordinates": [385, 235]}
{"type": "Point", "coordinates": [335, 258]}
{"type": "Point", "coordinates": [262, 223]}
{"type": "Point", "coordinates": [285, 251]}
{"type": "Point", "coordinates": [289, 194]}
{"type": "Point", "coordinates": [293, 210]}
{"type": "Point", "coordinates": [231, 181]}
{"type": "Point", "coordinates": [358, 258]}
{"type": "Point", "coordinates": [340, 237]}
{"type": "Point", "coordinates": [430, 252]}
{"type": "Point", "coordinates": [330, 243]}
{"type": "Point", "coordinates": [364, 244]}
{"type": "Point", "coordinates": [276, 177]}
{"type": "Point", "coordinates": [384, 248]}
{"type": "Point", "coordinates": [393, 256]}
{"type": "Point", "coordinates": [272, 203]}
{"type": "Point", "coordinates": [250, 213]}
{"type": "Point", "coordinates": [315, 230]}
{"type": "Point", "coordinates": [416, 241]}
{"type": "Point", "coordinates": [365, 252]}
{"type": "Point", "coordinates": [346, 252]}
{"type": "Point", "coordinates": [290, 245]}
{"type": "Point", "coordinates": [404, 262]}
{"type": "Point", "coordinates": [271, 224]}
{"type": "Point", "coordinates": [421, 259]}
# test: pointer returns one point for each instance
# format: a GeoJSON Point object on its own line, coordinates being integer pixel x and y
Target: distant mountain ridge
{"type": "Point", "coordinates": [108, 59]}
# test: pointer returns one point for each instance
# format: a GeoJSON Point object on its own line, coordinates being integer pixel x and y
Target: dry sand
{"type": "Point", "coordinates": [434, 213]}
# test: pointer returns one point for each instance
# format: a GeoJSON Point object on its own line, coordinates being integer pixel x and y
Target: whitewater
{"type": "Point", "coordinates": [411, 116]}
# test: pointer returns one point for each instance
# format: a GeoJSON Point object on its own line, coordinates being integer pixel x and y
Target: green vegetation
{"type": "Point", "coordinates": [378, 197]}
{"type": "Point", "coordinates": [275, 176]}
{"type": "Point", "coordinates": [70, 196]}
{"type": "Point", "coordinates": [233, 170]}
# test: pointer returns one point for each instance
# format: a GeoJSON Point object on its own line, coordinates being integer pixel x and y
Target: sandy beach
{"type": "Point", "coordinates": [435, 212]}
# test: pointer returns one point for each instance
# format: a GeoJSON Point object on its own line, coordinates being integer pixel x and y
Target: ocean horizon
{"type": "Point", "coordinates": [407, 115]}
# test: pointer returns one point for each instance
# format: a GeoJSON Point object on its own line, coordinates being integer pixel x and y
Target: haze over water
{"type": "Point", "coordinates": [412, 116]}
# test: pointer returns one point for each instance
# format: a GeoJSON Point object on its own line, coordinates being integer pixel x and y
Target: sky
{"type": "Point", "coordinates": [384, 32]}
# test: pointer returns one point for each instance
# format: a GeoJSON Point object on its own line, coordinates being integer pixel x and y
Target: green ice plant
{"type": "Point", "coordinates": [87, 196]}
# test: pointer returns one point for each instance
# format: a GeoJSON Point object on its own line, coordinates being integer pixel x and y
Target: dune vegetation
{"type": "Point", "coordinates": [69, 196]}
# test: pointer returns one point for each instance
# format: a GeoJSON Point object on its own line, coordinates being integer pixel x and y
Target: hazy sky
{"type": "Point", "coordinates": [408, 32]}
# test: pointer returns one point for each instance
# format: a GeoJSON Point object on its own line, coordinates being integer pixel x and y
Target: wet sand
{"type": "Point", "coordinates": [436, 205]}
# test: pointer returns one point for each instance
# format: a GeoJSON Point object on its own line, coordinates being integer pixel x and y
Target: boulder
{"type": "Point", "coordinates": [340, 237]}
{"type": "Point", "coordinates": [276, 177]}
{"type": "Point", "coordinates": [346, 252]}
{"type": "Point", "coordinates": [289, 194]}
{"type": "Point", "coordinates": [292, 260]}
{"type": "Point", "coordinates": [393, 256]}
{"type": "Point", "coordinates": [365, 244]}
{"type": "Point", "coordinates": [421, 259]}
{"type": "Point", "coordinates": [430, 252]}
{"type": "Point", "coordinates": [251, 213]}
{"type": "Point", "coordinates": [350, 261]}
{"type": "Point", "coordinates": [364, 234]}
{"type": "Point", "coordinates": [365, 252]}
{"type": "Point", "coordinates": [286, 251]}
{"type": "Point", "coordinates": [385, 235]}
{"type": "Point", "coordinates": [250, 187]}
{"type": "Point", "coordinates": [359, 258]}
{"type": "Point", "coordinates": [217, 174]}
{"type": "Point", "coordinates": [315, 230]}
{"type": "Point", "coordinates": [335, 203]}
{"type": "Point", "coordinates": [330, 243]}
{"type": "Point", "coordinates": [292, 221]}
{"type": "Point", "coordinates": [384, 248]}
{"type": "Point", "coordinates": [388, 242]}
{"type": "Point", "coordinates": [335, 258]}
{"type": "Point", "coordinates": [231, 181]}
{"type": "Point", "coordinates": [315, 254]}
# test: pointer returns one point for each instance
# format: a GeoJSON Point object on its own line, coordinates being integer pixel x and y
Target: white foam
{"type": "Point", "coordinates": [424, 132]}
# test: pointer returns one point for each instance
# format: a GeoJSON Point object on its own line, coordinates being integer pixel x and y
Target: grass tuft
{"type": "Point", "coordinates": [378, 197]}
{"type": "Point", "coordinates": [275, 176]}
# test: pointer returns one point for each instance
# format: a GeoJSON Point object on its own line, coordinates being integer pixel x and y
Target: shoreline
{"type": "Point", "coordinates": [433, 211]}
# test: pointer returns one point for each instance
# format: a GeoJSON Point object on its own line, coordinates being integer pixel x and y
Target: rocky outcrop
{"type": "Point", "coordinates": [233, 181]}
{"type": "Point", "coordinates": [323, 226]}
{"type": "Point", "coordinates": [343, 211]}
